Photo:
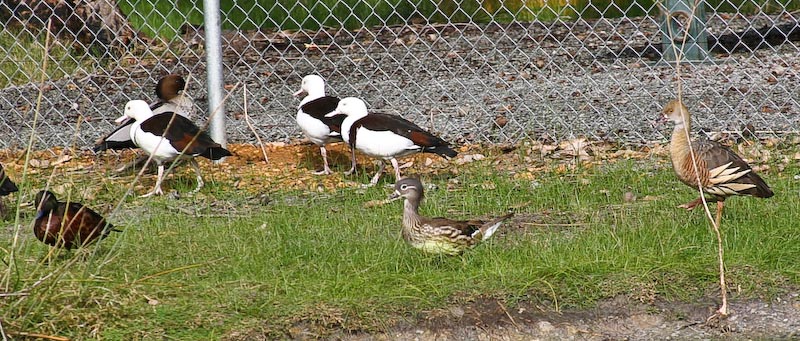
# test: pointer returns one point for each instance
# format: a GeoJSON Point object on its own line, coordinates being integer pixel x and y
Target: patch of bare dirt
{"type": "Point", "coordinates": [621, 318]}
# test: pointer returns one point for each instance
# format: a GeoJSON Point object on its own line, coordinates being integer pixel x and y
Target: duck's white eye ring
{"type": "Point", "coordinates": [403, 187]}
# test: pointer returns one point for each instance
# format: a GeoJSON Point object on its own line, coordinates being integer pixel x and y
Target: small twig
{"type": "Point", "coordinates": [196, 215]}
{"type": "Point", "coordinates": [722, 311]}
{"type": "Point", "coordinates": [13, 294]}
{"type": "Point", "coordinates": [222, 215]}
{"type": "Point", "coordinates": [3, 331]}
{"type": "Point", "coordinates": [41, 336]}
{"type": "Point", "coordinates": [185, 210]}
{"type": "Point", "coordinates": [556, 225]}
{"type": "Point", "coordinates": [252, 128]}
{"type": "Point", "coordinates": [375, 203]}
{"type": "Point", "coordinates": [502, 306]}
{"type": "Point", "coordinates": [165, 272]}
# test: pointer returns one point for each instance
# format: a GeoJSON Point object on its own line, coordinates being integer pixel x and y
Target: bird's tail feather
{"type": "Point", "coordinates": [444, 151]}
{"type": "Point", "coordinates": [215, 153]}
{"type": "Point", "coordinates": [489, 228]}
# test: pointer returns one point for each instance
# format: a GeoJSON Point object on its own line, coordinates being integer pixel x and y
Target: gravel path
{"type": "Point", "coordinates": [467, 83]}
{"type": "Point", "coordinates": [616, 319]}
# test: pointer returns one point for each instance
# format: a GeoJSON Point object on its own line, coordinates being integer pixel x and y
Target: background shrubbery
{"type": "Point", "coordinates": [149, 16]}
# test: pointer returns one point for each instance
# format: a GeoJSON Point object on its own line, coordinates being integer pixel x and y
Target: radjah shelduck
{"type": "Point", "coordinates": [384, 136]}
{"type": "Point", "coordinates": [67, 225]}
{"type": "Point", "coordinates": [167, 137]}
{"type": "Point", "coordinates": [712, 168]}
{"type": "Point", "coordinates": [311, 119]}
{"type": "Point", "coordinates": [171, 98]}
{"type": "Point", "coordinates": [439, 235]}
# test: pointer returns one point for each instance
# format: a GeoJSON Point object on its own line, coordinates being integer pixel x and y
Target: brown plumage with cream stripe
{"type": "Point", "coordinates": [719, 171]}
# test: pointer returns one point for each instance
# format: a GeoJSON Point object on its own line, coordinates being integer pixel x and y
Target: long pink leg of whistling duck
{"type": "Point", "coordinates": [723, 308]}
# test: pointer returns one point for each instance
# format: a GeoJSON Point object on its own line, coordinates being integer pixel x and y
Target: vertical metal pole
{"type": "Point", "coordinates": [216, 109]}
{"type": "Point", "coordinates": [683, 31]}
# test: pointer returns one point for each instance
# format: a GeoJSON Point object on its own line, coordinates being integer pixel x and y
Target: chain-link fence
{"type": "Point", "coordinates": [472, 72]}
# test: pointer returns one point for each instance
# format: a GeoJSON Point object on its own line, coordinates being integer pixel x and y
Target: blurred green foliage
{"type": "Point", "coordinates": [166, 18]}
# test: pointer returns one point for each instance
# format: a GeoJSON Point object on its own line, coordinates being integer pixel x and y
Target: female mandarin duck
{"type": "Point", "coordinates": [712, 168]}
{"type": "Point", "coordinates": [439, 235]}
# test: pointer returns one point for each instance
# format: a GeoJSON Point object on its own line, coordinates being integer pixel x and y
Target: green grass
{"type": "Point", "coordinates": [325, 259]}
{"type": "Point", "coordinates": [24, 53]}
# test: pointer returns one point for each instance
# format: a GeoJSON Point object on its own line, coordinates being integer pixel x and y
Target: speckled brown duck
{"type": "Point", "coordinates": [439, 235]}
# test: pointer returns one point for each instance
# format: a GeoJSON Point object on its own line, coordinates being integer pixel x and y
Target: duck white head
{"type": "Point", "coordinates": [350, 106]}
{"type": "Point", "coordinates": [137, 109]}
{"type": "Point", "coordinates": [313, 86]}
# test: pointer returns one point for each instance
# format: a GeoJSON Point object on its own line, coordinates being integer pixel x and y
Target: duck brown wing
{"type": "Point", "coordinates": [322, 106]}
{"type": "Point", "coordinates": [728, 174]}
{"type": "Point", "coordinates": [465, 228]}
{"type": "Point", "coordinates": [89, 224]}
{"type": "Point", "coordinates": [184, 135]}
{"type": "Point", "coordinates": [400, 126]}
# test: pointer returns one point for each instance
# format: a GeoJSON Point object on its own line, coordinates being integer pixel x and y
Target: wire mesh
{"type": "Point", "coordinates": [482, 72]}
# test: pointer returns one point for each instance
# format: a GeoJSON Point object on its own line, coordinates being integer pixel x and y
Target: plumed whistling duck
{"type": "Point", "coordinates": [67, 225]}
{"type": "Point", "coordinates": [713, 168]}
{"type": "Point", "coordinates": [385, 137]}
{"type": "Point", "coordinates": [311, 118]}
{"type": "Point", "coordinates": [439, 235]}
{"type": "Point", "coordinates": [171, 98]}
{"type": "Point", "coordinates": [167, 137]}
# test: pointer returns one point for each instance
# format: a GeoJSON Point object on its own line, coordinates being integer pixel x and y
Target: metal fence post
{"type": "Point", "coordinates": [683, 31]}
{"type": "Point", "coordinates": [213, 48]}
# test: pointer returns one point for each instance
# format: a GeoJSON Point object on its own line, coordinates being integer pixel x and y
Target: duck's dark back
{"type": "Point", "coordinates": [75, 224]}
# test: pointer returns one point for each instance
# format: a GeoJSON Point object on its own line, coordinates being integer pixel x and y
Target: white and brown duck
{"type": "Point", "coordinates": [311, 119]}
{"type": "Point", "coordinates": [385, 137]}
{"type": "Point", "coordinates": [171, 98]}
{"type": "Point", "coordinates": [169, 136]}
